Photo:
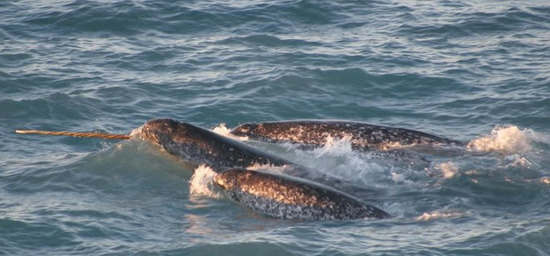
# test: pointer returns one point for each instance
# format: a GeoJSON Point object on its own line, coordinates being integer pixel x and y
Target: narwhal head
{"type": "Point", "coordinates": [154, 130]}
{"type": "Point", "coordinates": [168, 132]}
{"type": "Point", "coordinates": [192, 144]}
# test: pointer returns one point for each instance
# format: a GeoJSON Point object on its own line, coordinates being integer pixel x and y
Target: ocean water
{"type": "Point", "coordinates": [477, 71]}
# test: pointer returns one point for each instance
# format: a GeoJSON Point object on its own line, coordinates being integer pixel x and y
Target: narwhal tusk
{"type": "Point", "coordinates": [77, 134]}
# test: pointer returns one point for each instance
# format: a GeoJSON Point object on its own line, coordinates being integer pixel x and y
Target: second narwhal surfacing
{"type": "Point", "coordinates": [288, 197]}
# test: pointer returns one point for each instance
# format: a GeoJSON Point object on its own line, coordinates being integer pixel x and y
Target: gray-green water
{"type": "Point", "coordinates": [459, 69]}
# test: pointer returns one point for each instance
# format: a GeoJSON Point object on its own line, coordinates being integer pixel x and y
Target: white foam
{"type": "Point", "coordinates": [505, 140]}
{"type": "Point", "coordinates": [335, 147]}
{"type": "Point", "coordinates": [448, 169]}
{"type": "Point", "coordinates": [201, 182]}
{"type": "Point", "coordinates": [337, 159]}
{"type": "Point", "coordinates": [517, 161]}
{"type": "Point", "coordinates": [438, 215]}
{"type": "Point", "coordinates": [222, 130]}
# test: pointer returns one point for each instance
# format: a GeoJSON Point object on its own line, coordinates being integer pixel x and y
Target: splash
{"type": "Point", "coordinates": [505, 140]}
{"type": "Point", "coordinates": [438, 215]}
{"type": "Point", "coordinates": [222, 130]}
{"type": "Point", "coordinates": [335, 147]}
{"type": "Point", "coordinates": [201, 182]}
{"type": "Point", "coordinates": [448, 169]}
{"type": "Point", "coordinates": [517, 161]}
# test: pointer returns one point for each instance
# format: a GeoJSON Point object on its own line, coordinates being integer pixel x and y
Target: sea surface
{"type": "Point", "coordinates": [471, 70]}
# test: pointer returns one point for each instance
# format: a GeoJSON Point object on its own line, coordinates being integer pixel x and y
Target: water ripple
{"type": "Point", "coordinates": [460, 69]}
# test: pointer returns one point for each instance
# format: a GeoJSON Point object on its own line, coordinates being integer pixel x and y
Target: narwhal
{"type": "Point", "coordinates": [230, 158]}
{"type": "Point", "coordinates": [315, 133]}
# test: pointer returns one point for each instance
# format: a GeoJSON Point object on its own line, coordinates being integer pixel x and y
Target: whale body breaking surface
{"type": "Point", "coordinates": [274, 195]}
{"type": "Point", "coordinates": [315, 133]}
{"type": "Point", "coordinates": [197, 146]}
{"type": "Point", "coordinates": [289, 197]}
{"type": "Point", "coordinates": [234, 165]}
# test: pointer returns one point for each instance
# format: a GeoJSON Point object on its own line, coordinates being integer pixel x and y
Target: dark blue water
{"type": "Point", "coordinates": [475, 71]}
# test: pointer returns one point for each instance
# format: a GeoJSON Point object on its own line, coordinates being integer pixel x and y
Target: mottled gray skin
{"type": "Point", "coordinates": [197, 146]}
{"type": "Point", "coordinates": [315, 133]}
{"type": "Point", "coordinates": [288, 197]}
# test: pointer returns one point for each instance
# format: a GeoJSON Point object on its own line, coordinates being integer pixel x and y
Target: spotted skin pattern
{"type": "Point", "coordinates": [276, 196]}
{"type": "Point", "coordinates": [197, 146]}
{"type": "Point", "coordinates": [288, 197]}
{"type": "Point", "coordinates": [315, 133]}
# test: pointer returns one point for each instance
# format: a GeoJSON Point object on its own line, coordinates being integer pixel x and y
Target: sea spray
{"type": "Point", "coordinates": [335, 147]}
{"type": "Point", "coordinates": [222, 129]}
{"type": "Point", "coordinates": [448, 169]}
{"type": "Point", "coordinates": [201, 182]}
{"type": "Point", "coordinates": [504, 140]}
